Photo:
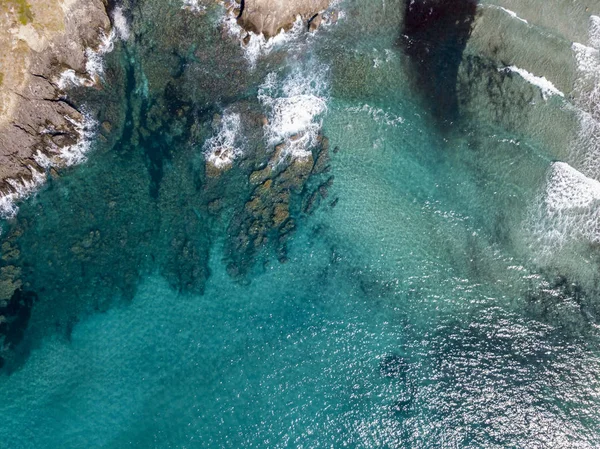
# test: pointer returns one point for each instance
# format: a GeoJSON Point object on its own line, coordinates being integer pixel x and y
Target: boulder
{"type": "Point", "coordinates": [269, 17]}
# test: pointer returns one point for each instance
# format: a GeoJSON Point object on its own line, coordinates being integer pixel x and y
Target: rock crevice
{"type": "Point", "coordinates": [41, 54]}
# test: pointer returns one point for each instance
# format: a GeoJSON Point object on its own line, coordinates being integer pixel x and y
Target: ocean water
{"type": "Point", "coordinates": [433, 285]}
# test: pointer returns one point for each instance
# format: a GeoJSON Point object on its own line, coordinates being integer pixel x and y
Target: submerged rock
{"type": "Point", "coordinates": [279, 190]}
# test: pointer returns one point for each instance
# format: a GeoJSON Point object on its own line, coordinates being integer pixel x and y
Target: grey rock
{"type": "Point", "coordinates": [35, 117]}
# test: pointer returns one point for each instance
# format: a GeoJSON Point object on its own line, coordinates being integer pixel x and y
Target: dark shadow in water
{"type": "Point", "coordinates": [434, 36]}
{"type": "Point", "coordinates": [393, 366]}
{"type": "Point", "coordinates": [16, 316]}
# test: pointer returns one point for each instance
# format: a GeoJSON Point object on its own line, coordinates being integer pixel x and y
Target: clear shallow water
{"type": "Point", "coordinates": [416, 312]}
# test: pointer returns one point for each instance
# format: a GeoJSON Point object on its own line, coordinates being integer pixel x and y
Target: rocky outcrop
{"type": "Point", "coordinates": [46, 46]}
{"type": "Point", "coordinates": [271, 16]}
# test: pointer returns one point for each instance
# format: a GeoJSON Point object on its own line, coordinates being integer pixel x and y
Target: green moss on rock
{"type": "Point", "coordinates": [23, 10]}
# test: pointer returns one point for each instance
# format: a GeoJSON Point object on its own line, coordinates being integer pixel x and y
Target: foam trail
{"type": "Point", "coordinates": [378, 114]}
{"type": "Point", "coordinates": [294, 105]}
{"type": "Point", "coordinates": [510, 13]}
{"type": "Point", "coordinates": [548, 89]}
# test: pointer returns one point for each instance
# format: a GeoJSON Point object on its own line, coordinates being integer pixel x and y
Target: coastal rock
{"type": "Point", "coordinates": [46, 46]}
{"type": "Point", "coordinates": [268, 17]}
{"type": "Point", "coordinates": [315, 22]}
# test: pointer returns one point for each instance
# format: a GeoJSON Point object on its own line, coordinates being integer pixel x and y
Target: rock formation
{"type": "Point", "coordinates": [271, 16]}
{"type": "Point", "coordinates": [45, 47]}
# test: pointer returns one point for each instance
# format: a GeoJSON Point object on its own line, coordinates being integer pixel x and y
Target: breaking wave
{"type": "Point", "coordinates": [120, 23]}
{"type": "Point", "coordinates": [223, 148]}
{"type": "Point", "coordinates": [294, 105]}
{"type": "Point", "coordinates": [566, 216]}
{"type": "Point", "coordinates": [21, 189]}
{"type": "Point", "coordinates": [94, 66]}
{"type": "Point", "coordinates": [255, 45]}
{"type": "Point", "coordinates": [53, 156]}
{"type": "Point", "coordinates": [547, 88]}
{"type": "Point", "coordinates": [587, 91]}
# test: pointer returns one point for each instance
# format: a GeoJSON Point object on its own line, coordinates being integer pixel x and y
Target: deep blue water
{"type": "Point", "coordinates": [418, 295]}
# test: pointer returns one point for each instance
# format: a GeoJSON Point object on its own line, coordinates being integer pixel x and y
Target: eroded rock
{"type": "Point", "coordinates": [269, 17]}
{"type": "Point", "coordinates": [45, 47]}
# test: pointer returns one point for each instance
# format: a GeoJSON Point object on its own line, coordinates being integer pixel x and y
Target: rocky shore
{"type": "Point", "coordinates": [46, 46]}
{"type": "Point", "coordinates": [269, 17]}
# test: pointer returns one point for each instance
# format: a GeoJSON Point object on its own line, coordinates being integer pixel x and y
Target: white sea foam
{"type": "Point", "coordinates": [568, 189]}
{"type": "Point", "coordinates": [294, 105]}
{"type": "Point", "coordinates": [77, 153]}
{"type": "Point", "coordinates": [511, 13]}
{"type": "Point", "coordinates": [69, 78]}
{"type": "Point", "coordinates": [21, 188]}
{"type": "Point", "coordinates": [193, 6]}
{"type": "Point", "coordinates": [548, 89]}
{"type": "Point", "coordinates": [568, 211]}
{"type": "Point", "coordinates": [223, 148]}
{"type": "Point", "coordinates": [54, 156]}
{"type": "Point", "coordinates": [94, 66]}
{"type": "Point", "coordinates": [120, 24]}
{"type": "Point", "coordinates": [594, 32]}
{"type": "Point", "coordinates": [95, 57]}
{"type": "Point", "coordinates": [258, 46]}
{"type": "Point", "coordinates": [378, 114]}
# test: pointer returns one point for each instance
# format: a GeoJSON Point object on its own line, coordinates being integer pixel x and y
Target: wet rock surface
{"type": "Point", "coordinates": [40, 41]}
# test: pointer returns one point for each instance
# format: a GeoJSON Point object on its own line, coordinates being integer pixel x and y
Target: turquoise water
{"type": "Point", "coordinates": [422, 300]}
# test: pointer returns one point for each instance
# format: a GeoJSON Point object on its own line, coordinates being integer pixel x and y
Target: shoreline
{"type": "Point", "coordinates": [49, 47]}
